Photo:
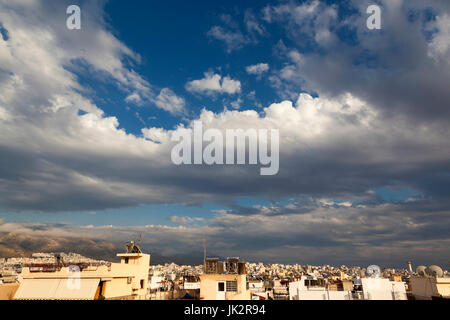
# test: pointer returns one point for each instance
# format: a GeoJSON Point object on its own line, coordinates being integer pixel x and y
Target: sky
{"type": "Point", "coordinates": [86, 119]}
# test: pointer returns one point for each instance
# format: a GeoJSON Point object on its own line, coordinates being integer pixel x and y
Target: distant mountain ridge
{"type": "Point", "coordinates": [13, 245]}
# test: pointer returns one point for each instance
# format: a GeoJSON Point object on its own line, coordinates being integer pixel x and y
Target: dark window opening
{"type": "Point", "coordinates": [232, 286]}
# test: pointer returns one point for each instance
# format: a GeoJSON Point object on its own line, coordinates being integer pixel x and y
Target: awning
{"type": "Point", "coordinates": [57, 289]}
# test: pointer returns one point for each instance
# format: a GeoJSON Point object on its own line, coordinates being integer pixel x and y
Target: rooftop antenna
{"type": "Point", "coordinates": [132, 247]}
{"type": "Point", "coordinates": [139, 242]}
{"type": "Point", "coordinates": [204, 249]}
{"type": "Point", "coordinates": [59, 259]}
{"type": "Point", "coordinates": [204, 255]}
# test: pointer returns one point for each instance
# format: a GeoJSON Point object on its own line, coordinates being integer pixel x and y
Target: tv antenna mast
{"type": "Point", "coordinates": [204, 255]}
{"type": "Point", "coordinates": [139, 242]}
{"type": "Point", "coordinates": [204, 249]}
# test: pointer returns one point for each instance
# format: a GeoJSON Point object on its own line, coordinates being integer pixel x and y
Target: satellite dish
{"type": "Point", "coordinates": [373, 271]}
{"type": "Point", "coordinates": [434, 271]}
{"type": "Point", "coordinates": [421, 270]}
{"type": "Point", "coordinates": [132, 248]}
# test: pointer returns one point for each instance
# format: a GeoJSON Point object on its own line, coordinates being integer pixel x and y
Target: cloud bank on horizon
{"type": "Point", "coordinates": [362, 114]}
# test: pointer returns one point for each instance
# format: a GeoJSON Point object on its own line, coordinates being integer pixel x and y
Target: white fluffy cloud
{"type": "Point", "coordinates": [40, 51]}
{"type": "Point", "coordinates": [236, 35]}
{"type": "Point", "coordinates": [233, 39]}
{"type": "Point", "coordinates": [214, 83]}
{"type": "Point", "coordinates": [257, 69]}
{"type": "Point", "coordinates": [185, 220]}
{"type": "Point", "coordinates": [418, 69]}
{"type": "Point", "coordinates": [169, 101]}
{"type": "Point", "coordinates": [440, 45]}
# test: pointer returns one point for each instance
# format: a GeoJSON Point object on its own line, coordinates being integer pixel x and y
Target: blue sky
{"type": "Point", "coordinates": [86, 119]}
{"type": "Point", "coordinates": [175, 48]}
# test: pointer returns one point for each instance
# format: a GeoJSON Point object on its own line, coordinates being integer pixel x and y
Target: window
{"type": "Point", "coordinates": [232, 286]}
{"type": "Point", "coordinates": [221, 286]}
{"type": "Point", "coordinates": [142, 284]}
{"type": "Point", "coordinates": [126, 260]}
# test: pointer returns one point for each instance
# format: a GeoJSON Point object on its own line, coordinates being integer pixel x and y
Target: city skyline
{"type": "Point", "coordinates": [87, 117]}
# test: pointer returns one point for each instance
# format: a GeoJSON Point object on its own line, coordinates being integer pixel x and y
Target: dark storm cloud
{"type": "Point", "coordinates": [387, 234]}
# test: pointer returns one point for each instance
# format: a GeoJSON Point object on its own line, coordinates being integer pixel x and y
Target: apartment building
{"type": "Point", "coordinates": [224, 280]}
{"type": "Point", "coordinates": [310, 288]}
{"type": "Point", "coordinates": [127, 280]}
{"type": "Point", "coordinates": [430, 283]}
